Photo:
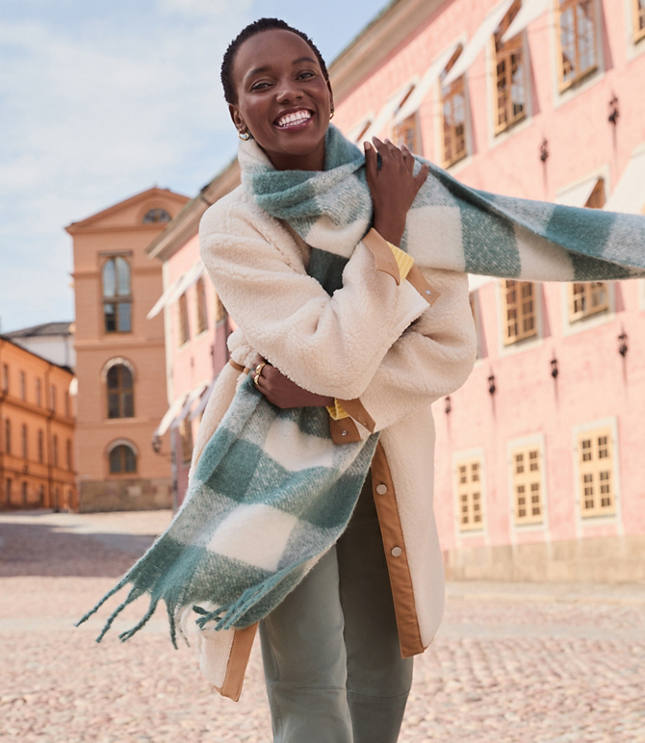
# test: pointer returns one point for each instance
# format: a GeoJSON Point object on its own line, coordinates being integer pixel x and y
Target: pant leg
{"type": "Point", "coordinates": [378, 678]}
{"type": "Point", "coordinates": [303, 651]}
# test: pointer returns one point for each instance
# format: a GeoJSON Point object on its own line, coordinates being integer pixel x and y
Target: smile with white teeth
{"type": "Point", "coordinates": [293, 119]}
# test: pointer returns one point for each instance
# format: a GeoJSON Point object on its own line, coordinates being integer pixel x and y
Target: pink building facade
{"type": "Point", "coordinates": [537, 458]}
{"type": "Point", "coordinates": [196, 326]}
{"type": "Point", "coordinates": [538, 455]}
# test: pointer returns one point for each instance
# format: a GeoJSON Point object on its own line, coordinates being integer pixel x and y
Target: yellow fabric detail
{"type": "Point", "coordinates": [403, 261]}
{"type": "Point", "coordinates": [336, 411]}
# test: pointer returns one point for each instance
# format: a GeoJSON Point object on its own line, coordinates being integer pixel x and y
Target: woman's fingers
{"type": "Point", "coordinates": [370, 161]}
{"type": "Point", "coordinates": [421, 176]}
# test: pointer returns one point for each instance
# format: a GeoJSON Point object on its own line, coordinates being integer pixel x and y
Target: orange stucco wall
{"type": "Point", "coordinates": [120, 231]}
{"type": "Point", "coordinates": [35, 478]}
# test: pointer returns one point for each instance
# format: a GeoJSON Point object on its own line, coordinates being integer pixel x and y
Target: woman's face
{"type": "Point", "coordinates": [283, 99]}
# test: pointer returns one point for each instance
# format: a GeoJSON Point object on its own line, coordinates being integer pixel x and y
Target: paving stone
{"type": "Point", "coordinates": [518, 662]}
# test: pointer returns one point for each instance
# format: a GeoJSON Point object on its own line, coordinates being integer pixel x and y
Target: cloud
{"type": "Point", "coordinates": [94, 112]}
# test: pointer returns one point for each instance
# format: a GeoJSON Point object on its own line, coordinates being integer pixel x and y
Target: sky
{"type": "Point", "coordinates": [101, 100]}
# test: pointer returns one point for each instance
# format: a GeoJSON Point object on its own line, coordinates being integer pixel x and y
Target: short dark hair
{"type": "Point", "coordinates": [262, 24]}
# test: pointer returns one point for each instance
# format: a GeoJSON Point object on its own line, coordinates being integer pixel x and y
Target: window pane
{"type": "Point", "coordinates": [123, 277]}
{"type": "Point", "coordinates": [110, 317]}
{"type": "Point", "coordinates": [113, 405]}
{"type": "Point", "coordinates": [156, 215]}
{"type": "Point", "coordinates": [127, 400]}
{"type": "Point", "coordinates": [109, 279]}
{"type": "Point", "coordinates": [124, 320]}
{"type": "Point", "coordinates": [115, 460]}
{"type": "Point", "coordinates": [130, 464]}
{"type": "Point", "coordinates": [113, 377]}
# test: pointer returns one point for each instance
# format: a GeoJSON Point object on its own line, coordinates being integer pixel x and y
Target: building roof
{"type": "Point", "coordinates": [48, 328]}
{"type": "Point", "coordinates": [4, 337]}
{"type": "Point", "coordinates": [397, 21]}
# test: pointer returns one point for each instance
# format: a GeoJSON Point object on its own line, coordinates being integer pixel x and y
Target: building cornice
{"type": "Point", "coordinates": [150, 193]}
{"type": "Point", "coordinates": [395, 24]}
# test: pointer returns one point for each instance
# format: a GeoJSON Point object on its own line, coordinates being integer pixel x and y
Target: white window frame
{"type": "Point", "coordinates": [495, 139]}
{"type": "Point", "coordinates": [586, 523]}
{"type": "Point", "coordinates": [458, 457]}
{"type": "Point", "coordinates": [528, 343]}
{"type": "Point", "coordinates": [535, 441]}
{"type": "Point", "coordinates": [562, 97]}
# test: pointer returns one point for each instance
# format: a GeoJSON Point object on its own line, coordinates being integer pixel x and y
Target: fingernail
{"type": "Point", "coordinates": [367, 145]}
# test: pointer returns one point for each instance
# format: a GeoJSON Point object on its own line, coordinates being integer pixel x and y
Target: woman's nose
{"type": "Point", "coordinates": [288, 90]}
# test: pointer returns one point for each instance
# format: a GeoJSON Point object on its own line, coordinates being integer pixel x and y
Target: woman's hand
{"type": "Point", "coordinates": [282, 392]}
{"type": "Point", "coordinates": [392, 185]}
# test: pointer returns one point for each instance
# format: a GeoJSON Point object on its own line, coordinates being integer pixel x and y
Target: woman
{"type": "Point", "coordinates": [309, 505]}
{"type": "Point", "coordinates": [337, 666]}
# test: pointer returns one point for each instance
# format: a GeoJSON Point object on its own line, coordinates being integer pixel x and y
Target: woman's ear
{"type": "Point", "coordinates": [234, 111]}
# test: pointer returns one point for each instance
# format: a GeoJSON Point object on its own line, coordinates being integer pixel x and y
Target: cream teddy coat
{"type": "Point", "coordinates": [377, 344]}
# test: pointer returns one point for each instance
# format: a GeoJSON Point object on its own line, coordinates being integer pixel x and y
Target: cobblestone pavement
{"type": "Point", "coordinates": [514, 662]}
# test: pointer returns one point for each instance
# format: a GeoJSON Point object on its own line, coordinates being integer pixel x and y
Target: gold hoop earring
{"type": "Point", "coordinates": [331, 115]}
{"type": "Point", "coordinates": [244, 136]}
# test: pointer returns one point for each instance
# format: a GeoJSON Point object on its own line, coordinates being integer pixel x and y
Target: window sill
{"type": "Point", "coordinates": [579, 86]}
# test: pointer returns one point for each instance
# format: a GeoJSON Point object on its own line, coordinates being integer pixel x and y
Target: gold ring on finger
{"type": "Point", "coordinates": [256, 380]}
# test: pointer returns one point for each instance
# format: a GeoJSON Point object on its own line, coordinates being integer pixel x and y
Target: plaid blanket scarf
{"type": "Point", "coordinates": [271, 492]}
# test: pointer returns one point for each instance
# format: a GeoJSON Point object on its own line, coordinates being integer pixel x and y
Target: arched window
{"type": "Point", "coordinates": [117, 296]}
{"type": "Point", "coordinates": [120, 392]}
{"type": "Point", "coordinates": [55, 450]}
{"type": "Point", "coordinates": [156, 215]}
{"type": "Point", "coordinates": [68, 451]}
{"type": "Point", "coordinates": [123, 459]}
{"type": "Point", "coordinates": [23, 431]}
{"type": "Point", "coordinates": [7, 436]}
{"type": "Point", "coordinates": [41, 447]}
{"type": "Point", "coordinates": [202, 310]}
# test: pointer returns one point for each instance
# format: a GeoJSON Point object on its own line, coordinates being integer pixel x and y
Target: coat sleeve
{"type": "Point", "coordinates": [331, 345]}
{"type": "Point", "coordinates": [432, 358]}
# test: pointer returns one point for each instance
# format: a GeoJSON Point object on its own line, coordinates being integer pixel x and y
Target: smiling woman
{"type": "Point", "coordinates": [278, 91]}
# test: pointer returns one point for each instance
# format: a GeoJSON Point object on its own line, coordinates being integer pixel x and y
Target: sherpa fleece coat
{"type": "Point", "coordinates": [378, 345]}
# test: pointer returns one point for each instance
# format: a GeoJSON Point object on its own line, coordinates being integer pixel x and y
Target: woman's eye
{"type": "Point", "coordinates": [305, 75]}
{"type": "Point", "coordinates": [260, 85]}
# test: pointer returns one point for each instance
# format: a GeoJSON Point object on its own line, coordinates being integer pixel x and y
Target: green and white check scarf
{"type": "Point", "coordinates": [271, 491]}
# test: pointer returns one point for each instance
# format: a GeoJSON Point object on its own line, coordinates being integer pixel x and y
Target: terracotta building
{"type": "Point", "coordinates": [36, 431]}
{"type": "Point", "coordinates": [120, 356]}
{"type": "Point", "coordinates": [538, 456]}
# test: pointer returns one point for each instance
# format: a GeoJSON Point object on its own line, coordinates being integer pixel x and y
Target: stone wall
{"type": "Point", "coordinates": [127, 494]}
{"type": "Point", "coordinates": [613, 559]}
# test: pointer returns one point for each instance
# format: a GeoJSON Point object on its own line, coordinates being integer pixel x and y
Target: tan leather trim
{"type": "Point", "coordinates": [238, 660]}
{"type": "Point", "coordinates": [417, 279]}
{"type": "Point", "coordinates": [236, 366]}
{"type": "Point", "coordinates": [398, 568]}
{"type": "Point", "coordinates": [344, 431]}
{"type": "Point", "coordinates": [384, 260]}
{"type": "Point", "coordinates": [356, 409]}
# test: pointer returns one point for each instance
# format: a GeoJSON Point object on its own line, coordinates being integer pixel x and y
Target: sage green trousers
{"type": "Point", "coordinates": [332, 663]}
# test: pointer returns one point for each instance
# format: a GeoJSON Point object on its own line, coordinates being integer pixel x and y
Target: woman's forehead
{"type": "Point", "coordinates": [269, 48]}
